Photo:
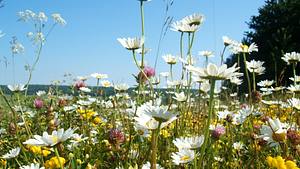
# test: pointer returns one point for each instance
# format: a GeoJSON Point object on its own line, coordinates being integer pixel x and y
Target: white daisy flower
{"type": "Point", "coordinates": [291, 57]}
{"type": "Point", "coordinates": [131, 43]}
{"type": "Point", "coordinates": [183, 156]}
{"type": "Point", "coordinates": [16, 87]}
{"type": "Point", "coordinates": [12, 153]}
{"type": "Point", "coordinates": [51, 140]}
{"type": "Point", "coordinates": [32, 166]}
{"type": "Point", "coordinates": [180, 97]}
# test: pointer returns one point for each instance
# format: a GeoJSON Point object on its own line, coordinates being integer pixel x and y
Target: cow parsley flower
{"type": "Point", "coordinates": [58, 19]}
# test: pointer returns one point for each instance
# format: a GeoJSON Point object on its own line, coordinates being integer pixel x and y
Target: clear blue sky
{"type": "Point", "coordinates": [88, 44]}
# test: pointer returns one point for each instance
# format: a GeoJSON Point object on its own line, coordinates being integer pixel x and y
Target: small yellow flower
{"type": "Point", "coordinates": [291, 165]}
{"type": "Point", "coordinates": [97, 120]}
{"type": "Point", "coordinates": [55, 162]}
{"type": "Point", "coordinates": [39, 150]}
{"type": "Point", "coordinates": [165, 133]}
{"type": "Point", "coordinates": [86, 113]}
{"type": "Point", "coordinates": [280, 163]}
{"type": "Point", "coordinates": [3, 162]}
{"type": "Point", "coordinates": [46, 153]}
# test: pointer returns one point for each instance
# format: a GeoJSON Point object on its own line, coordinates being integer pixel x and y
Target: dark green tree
{"type": "Point", "coordinates": [276, 31]}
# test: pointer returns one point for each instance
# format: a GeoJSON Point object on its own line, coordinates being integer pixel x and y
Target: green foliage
{"type": "Point", "coordinates": [276, 31]}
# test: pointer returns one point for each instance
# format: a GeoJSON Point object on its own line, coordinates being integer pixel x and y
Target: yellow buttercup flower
{"type": "Point", "coordinates": [3, 162]}
{"type": "Point", "coordinates": [280, 163]}
{"type": "Point", "coordinates": [165, 133]}
{"type": "Point", "coordinates": [97, 120]}
{"type": "Point", "coordinates": [86, 113]}
{"type": "Point", "coordinates": [39, 150]}
{"type": "Point", "coordinates": [55, 162]}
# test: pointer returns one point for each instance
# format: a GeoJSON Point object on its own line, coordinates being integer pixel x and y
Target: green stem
{"type": "Point", "coordinates": [154, 141]}
{"type": "Point", "coordinates": [294, 72]}
{"type": "Point", "coordinates": [181, 55]}
{"type": "Point", "coordinates": [254, 84]}
{"type": "Point", "coordinates": [248, 78]}
{"type": "Point", "coordinates": [222, 55]}
{"type": "Point", "coordinates": [33, 66]}
{"type": "Point", "coordinates": [210, 115]}
{"type": "Point", "coordinates": [143, 32]}
{"type": "Point", "coordinates": [142, 71]}
{"type": "Point", "coordinates": [171, 71]}
{"type": "Point", "coordinates": [57, 155]}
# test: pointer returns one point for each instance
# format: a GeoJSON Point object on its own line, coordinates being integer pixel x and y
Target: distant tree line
{"type": "Point", "coordinates": [276, 31]}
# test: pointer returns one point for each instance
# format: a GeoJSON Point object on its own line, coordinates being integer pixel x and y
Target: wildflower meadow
{"type": "Point", "coordinates": [196, 118]}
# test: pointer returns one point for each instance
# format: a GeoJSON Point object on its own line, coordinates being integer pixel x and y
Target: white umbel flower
{"type": "Point", "coordinates": [131, 43]}
{"type": "Point", "coordinates": [51, 140]}
{"type": "Point", "coordinates": [12, 153]}
{"type": "Point", "coordinates": [17, 48]}
{"type": "Point", "coordinates": [58, 19]}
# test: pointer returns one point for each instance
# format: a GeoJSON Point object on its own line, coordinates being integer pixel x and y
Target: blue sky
{"type": "Point", "coordinates": [88, 44]}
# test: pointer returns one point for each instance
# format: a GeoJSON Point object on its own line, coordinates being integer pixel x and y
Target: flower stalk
{"type": "Point", "coordinates": [248, 78]}
{"type": "Point", "coordinates": [154, 142]}
{"type": "Point", "coordinates": [209, 119]}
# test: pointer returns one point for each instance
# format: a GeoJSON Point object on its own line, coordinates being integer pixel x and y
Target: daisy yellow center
{"type": "Point", "coordinates": [245, 48]}
{"type": "Point", "coordinates": [54, 139]}
{"type": "Point", "coordinates": [185, 158]}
